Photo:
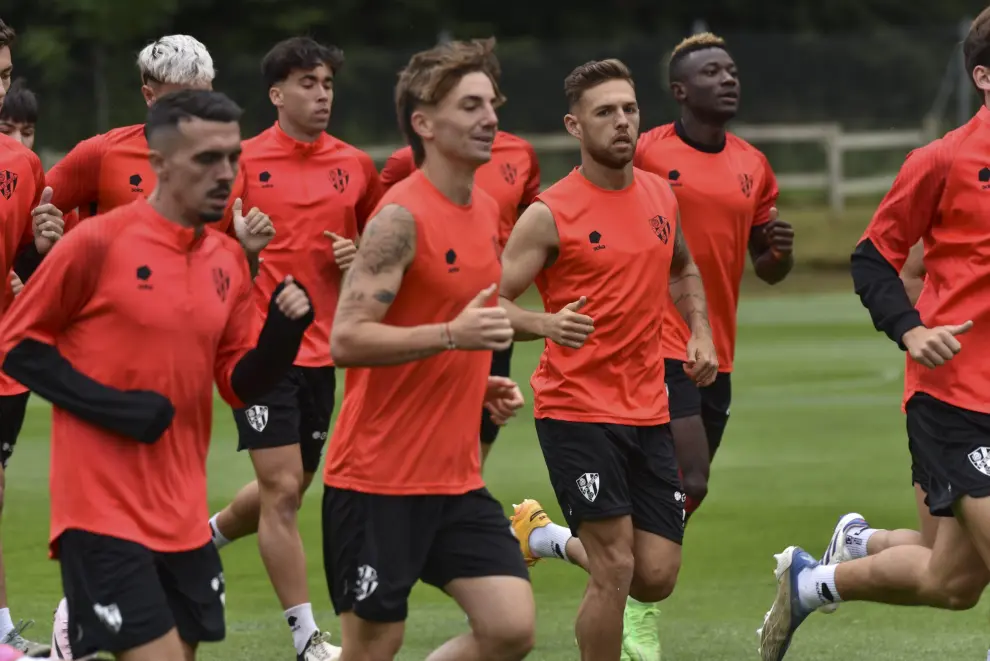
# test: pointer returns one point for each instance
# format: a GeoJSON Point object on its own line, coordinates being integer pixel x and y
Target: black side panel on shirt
{"type": "Point", "coordinates": [261, 368]}
{"type": "Point", "coordinates": [879, 287]}
{"type": "Point", "coordinates": [138, 414]}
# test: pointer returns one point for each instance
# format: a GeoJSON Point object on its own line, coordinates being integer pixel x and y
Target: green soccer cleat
{"type": "Point", "coordinates": [641, 632]}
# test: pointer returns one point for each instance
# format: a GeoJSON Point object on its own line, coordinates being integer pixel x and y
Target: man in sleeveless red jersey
{"type": "Point", "coordinates": [939, 197]}
{"type": "Point", "coordinates": [600, 244]}
{"type": "Point", "coordinates": [125, 328]}
{"type": "Point", "coordinates": [312, 184]}
{"type": "Point", "coordinates": [512, 177]}
{"type": "Point", "coordinates": [415, 326]}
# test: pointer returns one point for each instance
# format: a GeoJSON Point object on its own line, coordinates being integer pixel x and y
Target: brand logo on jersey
{"type": "Point", "coordinates": [367, 582]}
{"type": "Point", "coordinates": [746, 184]}
{"type": "Point", "coordinates": [8, 183]}
{"type": "Point", "coordinates": [672, 177]}
{"type": "Point", "coordinates": [596, 240]}
{"type": "Point", "coordinates": [451, 258]}
{"type": "Point", "coordinates": [266, 179]}
{"type": "Point", "coordinates": [135, 182]}
{"type": "Point", "coordinates": [509, 173]}
{"type": "Point", "coordinates": [257, 417]}
{"type": "Point", "coordinates": [980, 458]}
{"type": "Point", "coordinates": [339, 178]}
{"type": "Point", "coordinates": [588, 486]}
{"type": "Point", "coordinates": [221, 280]}
{"type": "Point", "coordinates": [984, 176]}
{"type": "Point", "coordinates": [661, 227]}
{"type": "Point", "coordinates": [143, 275]}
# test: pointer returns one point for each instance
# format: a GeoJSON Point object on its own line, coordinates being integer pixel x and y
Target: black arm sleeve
{"type": "Point", "coordinates": [880, 289]}
{"type": "Point", "coordinates": [138, 414]}
{"type": "Point", "coordinates": [26, 262]}
{"type": "Point", "coordinates": [263, 367]}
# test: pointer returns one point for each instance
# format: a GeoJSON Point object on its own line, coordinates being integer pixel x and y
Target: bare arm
{"type": "Point", "coordinates": [359, 338]}
{"type": "Point", "coordinates": [532, 246]}
{"type": "Point", "coordinates": [913, 272]}
{"type": "Point", "coordinates": [686, 288]}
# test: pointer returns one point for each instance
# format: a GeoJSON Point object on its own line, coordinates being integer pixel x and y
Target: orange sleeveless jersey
{"type": "Point", "coordinates": [723, 193]}
{"type": "Point", "coordinates": [412, 429]}
{"type": "Point", "coordinates": [615, 249]}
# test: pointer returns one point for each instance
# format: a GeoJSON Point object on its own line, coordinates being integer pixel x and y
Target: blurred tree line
{"type": "Point", "coordinates": [887, 57]}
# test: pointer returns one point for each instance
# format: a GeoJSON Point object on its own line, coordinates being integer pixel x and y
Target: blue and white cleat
{"type": "Point", "coordinates": [787, 613]}
{"type": "Point", "coordinates": [837, 551]}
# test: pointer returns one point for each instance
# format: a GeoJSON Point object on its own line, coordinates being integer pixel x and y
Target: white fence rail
{"type": "Point", "coordinates": [834, 141]}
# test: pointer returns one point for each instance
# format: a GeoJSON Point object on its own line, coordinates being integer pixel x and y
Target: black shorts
{"type": "Point", "coordinates": [376, 547]}
{"type": "Point", "coordinates": [601, 471]}
{"type": "Point", "coordinates": [12, 410]}
{"type": "Point", "coordinates": [501, 366]}
{"type": "Point", "coordinates": [297, 410]}
{"type": "Point", "coordinates": [121, 595]}
{"type": "Point", "coordinates": [711, 402]}
{"type": "Point", "coordinates": [950, 451]}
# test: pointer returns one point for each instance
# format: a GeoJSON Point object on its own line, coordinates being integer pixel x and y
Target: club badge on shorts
{"type": "Point", "coordinates": [588, 486]}
{"type": "Point", "coordinates": [257, 417]}
{"type": "Point", "coordinates": [980, 458]}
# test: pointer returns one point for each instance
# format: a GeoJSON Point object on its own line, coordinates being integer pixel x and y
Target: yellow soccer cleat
{"type": "Point", "coordinates": [527, 517]}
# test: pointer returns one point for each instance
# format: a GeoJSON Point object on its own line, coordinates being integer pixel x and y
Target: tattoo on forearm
{"type": "Point", "coordinates": [384, 296]}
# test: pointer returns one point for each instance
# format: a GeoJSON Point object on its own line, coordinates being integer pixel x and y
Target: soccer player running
{"type": "Point", "coordinates": [125, 331]}
{"type": "Point", "coordinates": [320, 191]}
{"type": "Point", "coordinates": [600, 244]}
{"type": "Point", "coordinates": [937, 198]}
{"type": "Point", "coordinates": [512, 177]}
{"type": "Point", "coordinates": [30, 226]}
{"type": "Point", "coordinates": [415, 326]}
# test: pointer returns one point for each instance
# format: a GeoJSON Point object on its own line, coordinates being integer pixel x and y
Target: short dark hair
{"type": "Point", "coordinates": [693, 44]}
{"type": "Point", "coordinates": [20, 105]}
{"type": "Point", "coordinates": [168, 111]}
{"type": "Point", "coordinates": [7, 34]}
{"type": "Point", "coordinates": [592, 74]}
{"type": "Point", "coordinates": [431, 74]}
{"type": "Point", "coordinates": [976, 45]}
{"type": "Point", "coordinates": [298, 54]}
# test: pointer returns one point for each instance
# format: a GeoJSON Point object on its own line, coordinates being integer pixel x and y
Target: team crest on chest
{"type": "Point", "coordinates": [339, 178]}
{"type": "Point", "coordinates": [509, 173]}
{"type": "Point", "coordinates": [8, 183]}
{"type": "Point", "coordinates": [661, 227]}
{"type": "Point", "coordinates": [221, 280]}
{"type": "Point", "coordinates": [746, 184]}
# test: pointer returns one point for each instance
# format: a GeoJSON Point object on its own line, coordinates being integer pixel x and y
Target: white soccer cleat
{"type": "Point", "coordinates": [319, 649]}
{"type": "Point", "coordinates": [837, 551]}
{"type": "Point", "coordinates": [786, 614]}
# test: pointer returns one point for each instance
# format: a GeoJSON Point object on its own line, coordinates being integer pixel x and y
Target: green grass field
{"type": "Point", "coordinates": [816, 431]}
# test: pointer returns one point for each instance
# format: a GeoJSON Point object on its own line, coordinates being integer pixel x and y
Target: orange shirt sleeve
{"type": "Point", "coordinates": [643, 145]}
{"type": "Point", "coordinates": [532, 188]}
{"type": "Point", "coordinates": [59, 289]}
{"type": "Point", "coordinates": [38, 177]}
{"type": "Point", "coordinates": [768, 194]}
{"type": "Point", "coordinates": [910, 207]}
{"type": "Point", "coordinates": [236, 191]}
{"type": "Point", "coordinates": [373, 192]}
{"type": "Point", "coordinates": [398, 166]}
{"type": "Point", "coordinates": [75, 180]}
{"type": "Point", "coordinates": [239, 337]}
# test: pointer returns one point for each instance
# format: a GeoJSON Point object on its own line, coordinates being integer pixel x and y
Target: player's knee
{"type": "Point", "coordinates": [654, 582]}
{"type": "Point", "coordinates": [695, 484]}
{"type": "Point", "coordinates": [508, 639]}
{"type": "Point", "coordinates": [614, 566]}
{"type": "Point", "coordinates": [282, 493]}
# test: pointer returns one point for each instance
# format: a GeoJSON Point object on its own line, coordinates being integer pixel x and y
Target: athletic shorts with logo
{"type": "Point", "coordinates": [122, 595]}
{"type": "Point", "coordinates": [376, 547]}
{"type": "Point", "coordinates": [501, 366]}
{"type": "Point", "coordinates": [297, 410]}
{"type": "Point", "coordinates": [12, 411]}
{"type": "Point", "coordinates": [601, 471]}
{"type": "Point", "coordinates": [710, 402]}
{"type": "Point", "coordinates": [950, 451]}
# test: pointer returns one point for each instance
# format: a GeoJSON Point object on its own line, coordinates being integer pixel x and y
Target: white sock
{"type": "Point", "coordinates": [816, 587]}
{"type": "Point", "coordinates": [857, 540]}
{"type": "Point", "coordinates": [218, 539]}
{"type": "Point", "coordinates": [6, 624]}
{"type": "Point", "coordinates": [550, 541]}
{"type": "Point", "coordinates": [300, 619]}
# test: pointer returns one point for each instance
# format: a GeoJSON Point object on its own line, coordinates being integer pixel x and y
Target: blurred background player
{"type": "Point", "coordinates": [22, 183]}
{"type": "Point", "coordinates": [405, 499]}
{"type": "Point", "coordinates": [79, 339]}
{"type": "Point", "coordinates": [512, 177]}
{"type": "Point", "coordinates": [315, 187]}
{"type": "Point", "coordinates": [937, 198]}
{"type": "Point", "coordinates": [600, 243]}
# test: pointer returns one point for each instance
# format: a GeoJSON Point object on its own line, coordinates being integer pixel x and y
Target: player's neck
{"type": "Point", "coordinates": [170, 210]}
{"type": "Point", "coordinates": [456, 183]}
{"type": "Point", "coordinates": [297, 133]}
{"type": "Point", "coordinates": [699, 131]}
{"type": "Point", "coordinates": [604, 176]}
